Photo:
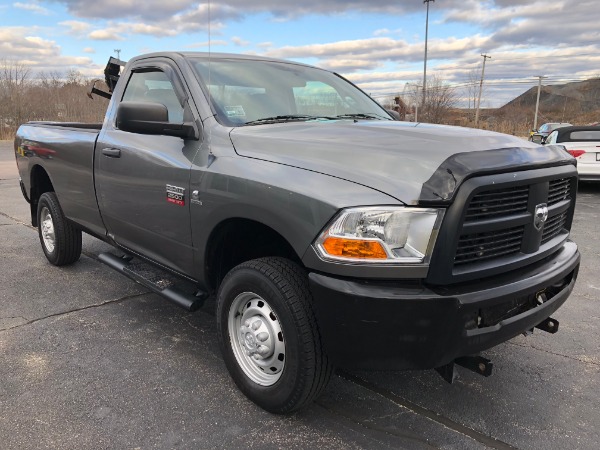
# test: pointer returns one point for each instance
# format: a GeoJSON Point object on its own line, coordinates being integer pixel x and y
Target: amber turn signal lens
{"type": "Point", "coordinates": [352, 248]}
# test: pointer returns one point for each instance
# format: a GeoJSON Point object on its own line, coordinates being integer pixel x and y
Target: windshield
{"type": "Point", "coordinates": [249, 92]}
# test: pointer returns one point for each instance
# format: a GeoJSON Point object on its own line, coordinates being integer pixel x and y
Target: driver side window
{"type": "Point", "coordinates": [154, 87]}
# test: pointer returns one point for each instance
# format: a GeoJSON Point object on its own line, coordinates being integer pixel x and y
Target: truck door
{"type": "Point", "coordinates": [142, 181]}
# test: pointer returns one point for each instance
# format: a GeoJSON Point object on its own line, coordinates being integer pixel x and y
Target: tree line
{"type": "Point", "coordinates": [54, 96]}
{"type": "Point", "coordinates": [44, 96]}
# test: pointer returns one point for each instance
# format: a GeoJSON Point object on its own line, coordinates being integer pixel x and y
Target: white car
{"type": "Point", "coordinates": [584, 144]}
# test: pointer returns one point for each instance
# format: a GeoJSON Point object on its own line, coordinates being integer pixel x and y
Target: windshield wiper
{"type": "Point", "coordinates": [362, 116]}
{"type": "Point", "coordinates": [302, 117]}
{"type": "Point", "coordinates": [284, 118]}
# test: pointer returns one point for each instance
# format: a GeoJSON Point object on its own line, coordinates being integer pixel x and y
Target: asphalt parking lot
{"type": "Point", "coordinates": [90, 360]}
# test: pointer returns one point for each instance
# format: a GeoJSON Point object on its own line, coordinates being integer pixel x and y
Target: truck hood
{"type": "Point", "coordinates": [414, 163]}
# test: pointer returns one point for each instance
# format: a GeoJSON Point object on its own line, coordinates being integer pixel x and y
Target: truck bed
{"type": "Point", "coordinates": [65, 151]}
{"type": "Point", "coordinates": [71, 125]}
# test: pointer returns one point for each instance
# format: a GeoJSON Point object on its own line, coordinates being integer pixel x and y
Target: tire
{"type": "Point", "coordinates": [269, 336]}
{"type": "Point", "coordinates": [60, 239]}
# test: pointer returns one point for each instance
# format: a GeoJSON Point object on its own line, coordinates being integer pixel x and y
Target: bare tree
{"type": "Point", "coordinates": [14, 103]}
{"type": "Point", "coordinates": [441, 100]}
{"type": "Point", "coordinates": [50, 96]}
{"type": "Point", "coordinates": [472, 90]}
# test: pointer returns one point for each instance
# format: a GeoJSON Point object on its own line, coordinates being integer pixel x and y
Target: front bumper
{"type": "Point", "coordinates": [397, 325]}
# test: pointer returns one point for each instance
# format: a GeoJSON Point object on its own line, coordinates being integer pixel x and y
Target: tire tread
{"type": "Point", "coordinates": [67, 248]}
{"type": "Point", "coordinates": [291, 280]}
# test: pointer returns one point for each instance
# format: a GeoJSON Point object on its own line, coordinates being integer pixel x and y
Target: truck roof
{"type": "Point", "coordinates": [206, 55]}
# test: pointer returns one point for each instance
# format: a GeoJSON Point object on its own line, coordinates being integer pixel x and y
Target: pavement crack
{"type": "Point", "coordinates": [482, 438]}
{"type": "Point", "coordinates": [13, 318]}
{"type": "Point", "coordinates": [75, 310]}
{"type": "Point", "coordinates": [373, 427]}
{"type": "Point", "coordinates": [18, 222]}
{"type": "Point", "coordinates": [581, 360]}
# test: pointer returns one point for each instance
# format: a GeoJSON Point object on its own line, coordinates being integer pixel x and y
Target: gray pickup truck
{"type": "Point", "coordinates": [331, 234]}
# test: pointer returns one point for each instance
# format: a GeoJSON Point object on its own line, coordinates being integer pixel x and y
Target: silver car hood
{"type": "Point", "coordinates": [414, 163]}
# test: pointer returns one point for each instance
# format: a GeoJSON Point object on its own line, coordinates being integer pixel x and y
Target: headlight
{"type": "Point", "coordinates": [381, 234]}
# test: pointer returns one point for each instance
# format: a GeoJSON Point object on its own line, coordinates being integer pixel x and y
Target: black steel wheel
{"type": "Point", "coordinates": [269, 336]}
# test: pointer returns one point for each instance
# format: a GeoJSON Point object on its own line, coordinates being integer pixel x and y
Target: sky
{"type": "Point", "coordinates": [378, 44]}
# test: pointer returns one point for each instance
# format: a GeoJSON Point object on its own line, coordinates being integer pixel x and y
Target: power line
{"type": "Point", "coordinates": [498, 83]}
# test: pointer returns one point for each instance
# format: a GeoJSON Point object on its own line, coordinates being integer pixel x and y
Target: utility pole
{"type": "Point", "coordinates": [425, 59]}
{"type": "Point", "coordinates": [537, 102]}
{"type": "Point", "coordinates": [417, 103]}
{"type": "Point", "coordinates": [118, 52]}
{"type": "Point", "coordinates": [485, 57]}
{"type": "Point", "coordinates": [416, 97]}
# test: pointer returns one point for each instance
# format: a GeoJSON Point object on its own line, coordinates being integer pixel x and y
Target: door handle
{"type": "Point", "coordinates": [111, 152]}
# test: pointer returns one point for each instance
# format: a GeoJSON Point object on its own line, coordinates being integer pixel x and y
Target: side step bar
{"type": "Point", "coordinates": [158, 281]}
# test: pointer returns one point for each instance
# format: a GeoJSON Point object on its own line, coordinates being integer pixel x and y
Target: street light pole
{"type": "Point", "coordinates": [425, 59]}
{"type": "Point", "coordinates": [537, 102]}
{"type": "Point", "coordinates": [118, 52]}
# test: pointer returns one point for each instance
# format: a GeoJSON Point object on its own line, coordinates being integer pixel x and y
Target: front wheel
{"type": "Point", "coordinates": [60, 239]}
{"type": "Point", "coordinates": [268, 334]}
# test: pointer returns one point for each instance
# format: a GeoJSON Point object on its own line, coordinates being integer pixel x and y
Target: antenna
{"type": "Point", "coordinates": [210, 105]}
{"type": "Point", "coordinates": [209, 54]}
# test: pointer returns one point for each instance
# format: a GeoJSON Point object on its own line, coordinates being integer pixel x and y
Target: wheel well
{"type": "Point", "coordinates": [40, 183]}
{"type": "Point", "coordinates": [235, 241]}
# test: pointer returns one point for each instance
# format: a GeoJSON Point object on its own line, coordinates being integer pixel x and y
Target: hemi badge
{"type": "Point", "coordinates": [176, 195]}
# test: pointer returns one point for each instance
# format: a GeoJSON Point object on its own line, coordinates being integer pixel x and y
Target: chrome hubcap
{"type": "Point", "coordinates": [47, 230]}
{"type": "Point", "coordinates": [256, 338]}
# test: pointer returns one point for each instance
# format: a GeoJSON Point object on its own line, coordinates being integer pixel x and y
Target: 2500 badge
{"type": "Point", "coordinates": [176, 195]}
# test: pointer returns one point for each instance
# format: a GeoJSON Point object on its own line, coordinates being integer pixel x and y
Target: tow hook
{"type": "Point", "coordinates": [475, 363]}
{"type": "Point", "coordinates": [549, 325]}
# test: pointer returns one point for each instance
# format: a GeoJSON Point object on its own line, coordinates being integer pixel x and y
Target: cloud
{"type": "Point", "coordinates": [385, 32]}
{"type": "Point", "coordinates": [32, 7]}
{"type": "Point", "coordinates": [536, 20]}
{"type": "Point", "coordinates": [349, 65]}
{"type": "Point", "coordinates": [372, 52]}
{"type": "Point", "coordinates": [105, 35]}
{"type": "Point", "coordinates": [381, 32]}
{"type": "Point", "coordinates": [524, 37]}
{"type": "Point", "coordinates": [89, 50]}
{"type": "Point", "coordinates": [185, 13]}
{"type": "Point", "coordinates": [156, 10]}
{"type": "Point", "coordinates": [239, 41]}
{"type": "Point", "coordinates": [76, 27]}
{"type": "Point", "coordinates": [37, 53]}
{"type": "Point", "coordinates": [193, 20]}
{"type": "Point", "coordinates": [147, 9]}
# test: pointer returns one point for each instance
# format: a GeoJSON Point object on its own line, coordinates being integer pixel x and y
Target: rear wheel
{"type": "Point", "coordinates": [269, 336]}
{"type": "Point", "coordinates": [60, 239]}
